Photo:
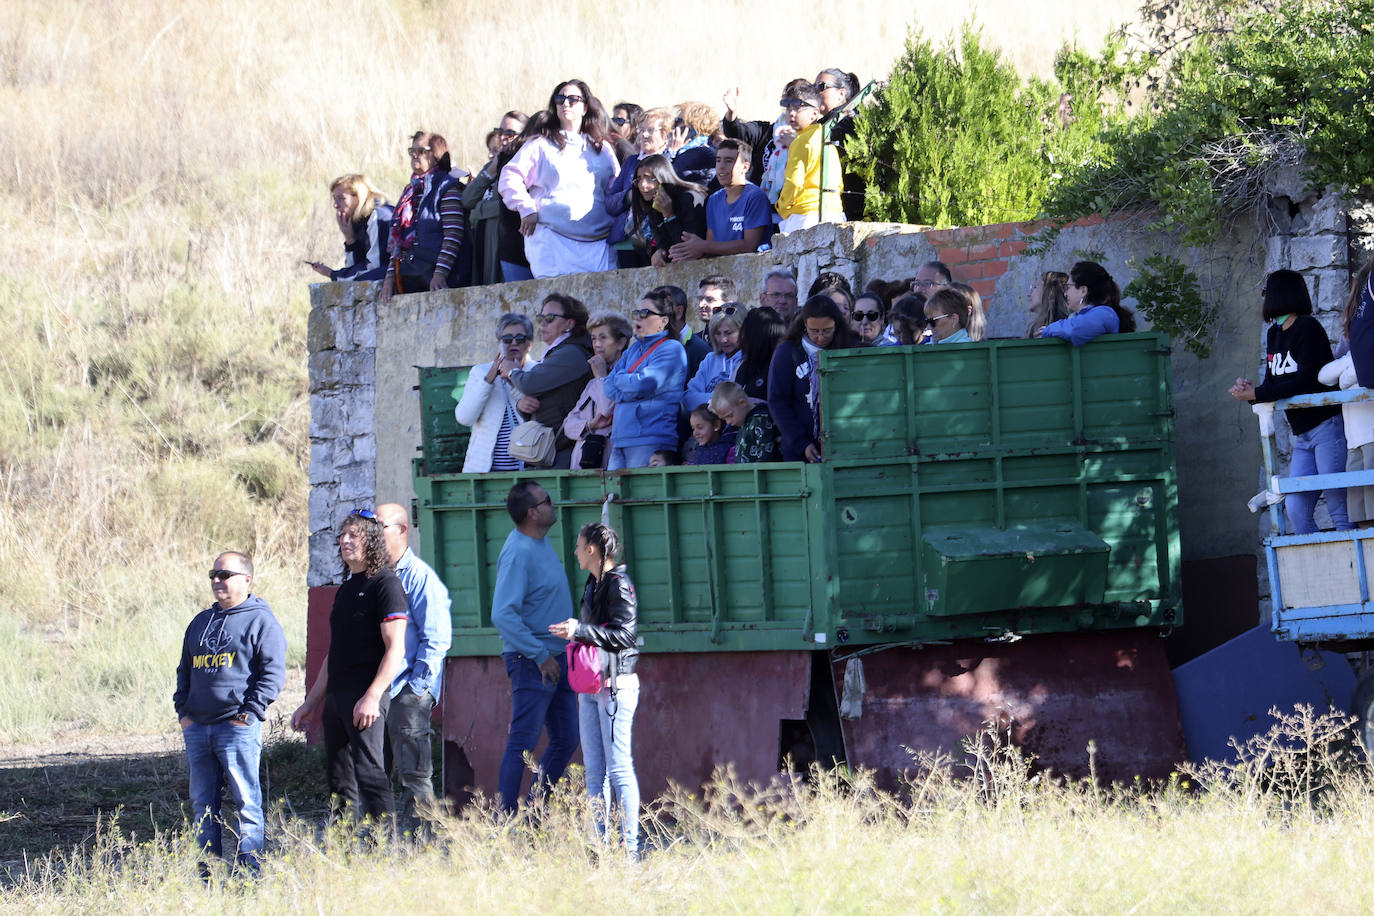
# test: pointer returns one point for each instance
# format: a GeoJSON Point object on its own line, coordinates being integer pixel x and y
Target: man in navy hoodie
{"type": "Point", "coordinates": [233, 663]}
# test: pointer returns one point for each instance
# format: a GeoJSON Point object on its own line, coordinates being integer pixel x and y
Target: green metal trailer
{"type": "Point", "coordinates": [991, 536]}
{"type": "Point", "coordinates": [991, 490]}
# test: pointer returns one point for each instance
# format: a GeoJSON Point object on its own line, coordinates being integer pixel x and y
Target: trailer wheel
{"type": "Point", "coordinates": [1362, 708]}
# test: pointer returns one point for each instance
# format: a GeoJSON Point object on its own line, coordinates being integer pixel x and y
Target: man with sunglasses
{"type": "Point", "coordinates": [531, 593]}
{"type": "Point", "coordinates": [233, 665]}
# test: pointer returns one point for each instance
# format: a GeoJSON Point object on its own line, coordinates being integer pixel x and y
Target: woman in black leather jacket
{"type": "Point", "coordinates": [610, 615]}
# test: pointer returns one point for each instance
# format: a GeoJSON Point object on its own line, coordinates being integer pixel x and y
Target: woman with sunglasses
{"type": "Point", "coordinates": [558, 183]}
{"type": "Point", "coordinates": [794, 376]}
{"type": "Point", "coordinates": [646, 386]}
{"type": "Point", "coordinates": [723, 361]}
{"type": "Point", "coordinates": [870, 320]}
{"type": "Point", "coordinates": [494, 227]}
{"type": "Point", "coordinates": [553, 385]}
{"type": "Point", "coordinates": [428, 222]}
{"type": "Point", "coordinates": [836, 88]}
{"type": "Point", "coordinates": [488, 402]}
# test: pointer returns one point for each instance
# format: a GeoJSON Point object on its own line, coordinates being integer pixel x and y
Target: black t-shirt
{"type": "Point", "coordinates": [355, 628]}
{"type": "Point", "coordinates": [1293, 359]}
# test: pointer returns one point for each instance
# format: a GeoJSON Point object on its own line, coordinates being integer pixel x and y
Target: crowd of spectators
{"type": "Point", "coordinates": [575, 188]}
{"type": "Point", "coordinates": [731, 380]}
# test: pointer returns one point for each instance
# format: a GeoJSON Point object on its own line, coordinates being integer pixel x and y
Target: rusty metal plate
{"type": "Point", "coordinates": [1053, 693]}
{"type": "Point", "coordinates": [697, 711]}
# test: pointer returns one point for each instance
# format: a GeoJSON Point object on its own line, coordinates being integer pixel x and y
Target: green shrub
{"type": "Point", "coordinates": [1168, 295]}
{"type": "Point", "coordinates": [1240, 90]}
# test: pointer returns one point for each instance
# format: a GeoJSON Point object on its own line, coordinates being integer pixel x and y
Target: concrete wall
{"type": "Point", "coordinates": [365, 412]}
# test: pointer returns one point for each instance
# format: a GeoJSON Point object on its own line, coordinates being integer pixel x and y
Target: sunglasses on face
{"type": "Point", "coordinates": [567, 100]}
{"type": "Point", "coordinates": [224, 575]}
{"type": "Point", "coordinates": [509, 339]}
{"type": "Point", "coordinates": [821, 87]}
{"type": "Point", "coordinates": [795, 103]}
{"type": "Point", "coordinates": [645, 313]}
{"type": "Point", "coordinates": [418, 150]}
{"type": "Point", "coordinates": [933, 320]}
{"type": "Point", "coordinates": [867, 316]}
{"type": "Point", "coordinates": [547, 318]}
{"type": "Point", "coordinates": [620, 122]}
{"type": "Point", "coordinates": [505, 132]}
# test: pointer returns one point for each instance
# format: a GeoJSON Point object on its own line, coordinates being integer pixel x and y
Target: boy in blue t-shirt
{"type": "Point", "coordinates": [739, 217]}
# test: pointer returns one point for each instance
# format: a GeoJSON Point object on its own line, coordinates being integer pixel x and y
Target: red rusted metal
{"type": "Point", "coordinates": [697, 712]}
{"type": "Point", "coordinates": [319, 601]}
{"type": "Point", "coordinates": [1054, 693]}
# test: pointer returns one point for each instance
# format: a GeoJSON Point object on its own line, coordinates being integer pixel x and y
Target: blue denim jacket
{"type": "Point", "coordinates": [431, 628]}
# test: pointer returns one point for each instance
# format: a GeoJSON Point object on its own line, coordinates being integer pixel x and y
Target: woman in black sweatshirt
{"type": "Point", "coordinates": [1296, 348]}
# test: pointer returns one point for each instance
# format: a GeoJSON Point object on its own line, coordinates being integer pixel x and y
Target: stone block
{"type": "Point", "coordinates": [320, 505]}
{"type": "Point", "coordinates": [1290, 182]}
{"type": "Point", "coordinates": [359, 450]}
{"type": "Point", "coordinates": [322, 462]}
{"type": "Point", "coordinates": [1331, 289]}
{"type": "Point", "coordinates": [1322, 214]}
{"type": "Point", "coordinates": [365, 323]}
{"type": "Point", "coordinates": [341, 320]}
{"type": "Point", "coordinates": [326, 415]}
{"type": "Point", "coordinates": [1276, 253]}
{"type": "Point", "coordinates": [324, 369]}
{"type": "Point", "coordinates": [1315, 251]}
{"type": "Point", "coordinates": [357, 483]}
{"type": "Point", "coordinates": [326, 568]}
{"type": "Point", "coordinates": [319, 330]}
{"type": "Point", "coordinates": [360, 415]}
{"type": "Point", "coordinates": [358, 368]}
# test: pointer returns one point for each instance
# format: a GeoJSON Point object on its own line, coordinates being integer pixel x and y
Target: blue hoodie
{"type": "Point", "coordinates": [231, 662]}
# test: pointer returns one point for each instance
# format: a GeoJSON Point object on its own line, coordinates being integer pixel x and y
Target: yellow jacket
{"type": "Point", "coordinates": [801, 188]}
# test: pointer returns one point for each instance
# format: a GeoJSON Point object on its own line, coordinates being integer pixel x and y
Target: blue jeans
{"type": "Point", "coordinates": [634, 456]}
{"type": "Point", "coordinates": [1320, 450]}
{"type": "Point", "coordinates": [219, 754]}
{"type": "Point", "coordinates": [510, 273]}
{"type": "Point", "coordinates": [606, 750]}
{"type": "Point", "coordinates": [536, 705]}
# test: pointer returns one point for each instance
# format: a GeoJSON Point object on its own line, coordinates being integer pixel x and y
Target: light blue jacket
{"type": "Point", "coordinates": [532, 592]}
{"type": "Point", "coordinates": [714, 369]}
{"type": "Point", "coordinates": [647, 398]}
{"type": "Point", "coordinates": [959, 336]}
{"type": "Point", "coordinates": [1085, 324]}
{"type": "Point", "coordinates": [431, 628]}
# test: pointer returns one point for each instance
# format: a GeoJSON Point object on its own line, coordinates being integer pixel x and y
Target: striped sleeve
{"type": "Point", "coordinates": [454, 222]}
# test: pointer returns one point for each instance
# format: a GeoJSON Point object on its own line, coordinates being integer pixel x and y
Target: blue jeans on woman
{"type": "Point", "coordinates": [606, 750]}
{"type": "Point", "coordinates": [216, 755]}
{"type": "Point", "coordinates": [1320, 450]}
{"type": "Point", "coordinates": [634, 456]}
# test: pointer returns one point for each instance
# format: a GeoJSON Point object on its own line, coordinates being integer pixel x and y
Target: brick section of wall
{"type": "Point", "coordinates": [980, 255]}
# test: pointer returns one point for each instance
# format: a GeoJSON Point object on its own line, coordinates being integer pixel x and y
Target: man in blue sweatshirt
{"type": "Point", "coordinates": [233, 663]}
{"type": "Point", "coordinates": [531, 593]}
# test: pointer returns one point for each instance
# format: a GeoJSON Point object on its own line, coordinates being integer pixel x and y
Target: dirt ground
{"type": "Point", "coordinates": [55, 796]}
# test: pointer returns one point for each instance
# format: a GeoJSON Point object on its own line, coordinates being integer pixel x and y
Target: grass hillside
{"type": "Point", "coordinates": [163, 171]}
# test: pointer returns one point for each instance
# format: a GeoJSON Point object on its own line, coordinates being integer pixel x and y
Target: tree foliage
{"type": "Point", "coordinates": [958, 137]}
{"type": "Point", "coordinates": [1237, 90]}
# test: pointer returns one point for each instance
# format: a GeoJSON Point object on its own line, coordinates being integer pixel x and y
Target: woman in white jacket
{"type": "Point", "coordinates": [489, 404]}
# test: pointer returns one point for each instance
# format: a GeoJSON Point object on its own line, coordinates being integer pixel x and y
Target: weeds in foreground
{"type": "Point", "coordinates": [1285, 826]}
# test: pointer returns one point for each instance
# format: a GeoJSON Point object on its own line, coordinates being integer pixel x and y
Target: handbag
{"type": "Point", "coordinates": [586, 667]}
{"type": "Point", "coordinates": [593, 455]}
{"type": "Point", "coordinates": [531, 441]}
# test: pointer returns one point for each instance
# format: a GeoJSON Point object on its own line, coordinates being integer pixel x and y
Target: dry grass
{"type": "Point", "coordinates": [1287, 829]}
